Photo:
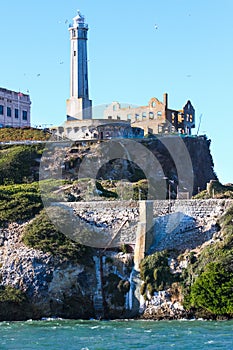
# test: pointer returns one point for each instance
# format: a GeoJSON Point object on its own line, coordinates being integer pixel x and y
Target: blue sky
{"type": "Point", "coordinates": [189, 56]}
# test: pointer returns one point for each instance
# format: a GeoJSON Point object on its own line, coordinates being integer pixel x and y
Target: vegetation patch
{"type": "Point", "coordinates": [42, 234]}
{"type": "Point", "coordinates": [212, 290]}
{"type": "Point", "coordinates": [22, 134]}
{"type": "Point", "coordinates": [19, 202]}
{"type": "Point", "coordinates": [208, 283]}
{"type": "Point", "coordinates": [216, 190]}
{"type": "Point", "coordinates": [140, 190]}
{"type": "Point", "coordinates": [19, 164]}
{"type": "Point", "coordinates": [11, 295]}
{"type": "Point", "coordinates": [155, 273]}
{"type": "Point", "coordinates": [116, 288]}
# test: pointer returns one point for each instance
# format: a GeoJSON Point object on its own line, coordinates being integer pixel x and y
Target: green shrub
{"type": "Point", "coordinates": [115, 288]}
{"type": "Point", "coordinates": [155, 273]}
{"type": "Point", "coordinates": [19, 164]}
{"type": "Point", "coordinates": [42, 234]}
{"type": "Point", "coordinates": [209, 280]}
{"type": "Point", "coordinates": [143, 288]}
{"type": "Point", "coordinates": [212, 290]}
{"type": "Point", "coordinates": [21, 134]}
{"type": "Point", "coordinates": [216, 190]}
{"type": "Point", "coordinates": [140, 190]}
{"type": "Point", "coordinates": [123, 286]}
{"type": "Point", "coordinates": [11, 294]}
{"type": "Point", "coordinates": [19, 202]}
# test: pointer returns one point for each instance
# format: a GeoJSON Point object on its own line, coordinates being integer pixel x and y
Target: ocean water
{"type": "Point", "coordinates": [116, 335]}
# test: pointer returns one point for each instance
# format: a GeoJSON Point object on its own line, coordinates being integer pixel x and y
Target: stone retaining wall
{"type": "Point", "coordinates": [177, 221]}
{"type": "Point", "coordinates": [193, 207]}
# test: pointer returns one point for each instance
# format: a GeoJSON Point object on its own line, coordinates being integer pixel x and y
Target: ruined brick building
{"type": "Point", "coordinates": [156, 117]}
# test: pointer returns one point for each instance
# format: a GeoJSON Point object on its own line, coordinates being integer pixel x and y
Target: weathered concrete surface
{"type": "Point", "coordinates": [177, 221]}
{"type": "Point", "coordinates": [144, 234]}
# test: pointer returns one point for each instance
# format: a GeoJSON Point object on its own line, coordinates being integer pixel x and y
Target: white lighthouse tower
{"type": "Point", "coordinates": [78, 106]}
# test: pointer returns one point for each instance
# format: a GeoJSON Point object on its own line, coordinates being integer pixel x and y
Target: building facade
{"type": "Point", "coordinates": [156, 117]}
{"type": "Point", "coordinates": [15, 109]}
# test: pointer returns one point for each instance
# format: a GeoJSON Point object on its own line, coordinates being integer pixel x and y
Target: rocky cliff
{"type": "Point", "coordinates": [107, 285]}
{"type": "Point", "coordinates": [44, 285]}
{"type": "Point", "coordinates": [186, 163]}
{"type": "Point", "coordinates": [35, 283]}
{"type": "Point", "coordinates": [51, 286]}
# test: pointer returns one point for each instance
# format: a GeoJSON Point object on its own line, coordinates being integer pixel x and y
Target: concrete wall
{"type": "Point", "coordinates": [177, 224]}
{"type": "Point", "coordinates": [193, 207]}
{"type": "Point", "coordinates": [96, 129]}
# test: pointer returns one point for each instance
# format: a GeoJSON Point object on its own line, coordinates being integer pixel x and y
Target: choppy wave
{"type": "Point", "coordinates": [59, 334]}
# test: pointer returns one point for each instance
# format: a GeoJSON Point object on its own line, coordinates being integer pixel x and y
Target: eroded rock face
{"type": "Point", "coordinates": [127, 164]}
{"type": "Point", "coordinates": [53, 287]}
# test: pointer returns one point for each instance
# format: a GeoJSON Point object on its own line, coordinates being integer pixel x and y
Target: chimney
{"type": "Point", "coordinates": [165, 97]}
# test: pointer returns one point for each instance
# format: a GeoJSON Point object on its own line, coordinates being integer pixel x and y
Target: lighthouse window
{"type": "Point", "coordinates": [74, 53]}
